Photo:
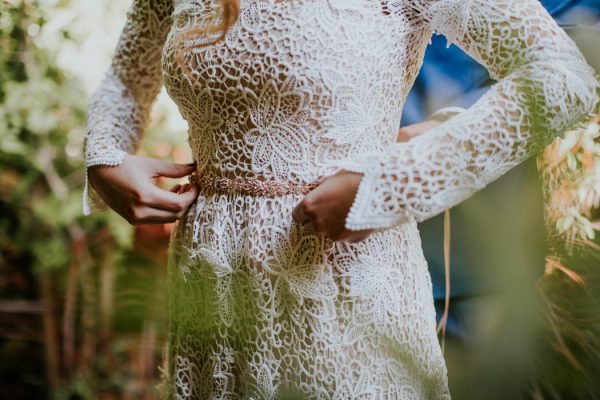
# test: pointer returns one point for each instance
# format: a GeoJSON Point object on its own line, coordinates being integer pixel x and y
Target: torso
{"type": "Point", "coordinates": [294, 85]}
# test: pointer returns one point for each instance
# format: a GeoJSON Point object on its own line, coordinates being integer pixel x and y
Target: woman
{"type": "Point", "coordinates": [295, 264]}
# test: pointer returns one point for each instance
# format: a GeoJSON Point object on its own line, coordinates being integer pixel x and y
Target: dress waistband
{"type": "Point", "coordinates": [251, 186]}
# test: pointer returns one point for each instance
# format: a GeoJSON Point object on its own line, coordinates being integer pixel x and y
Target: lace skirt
{"type": "Point", "coordinates": [262, 309]}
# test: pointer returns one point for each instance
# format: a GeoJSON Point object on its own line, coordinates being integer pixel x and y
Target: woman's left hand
{"type": "Point", "coordinates": [325, 208]}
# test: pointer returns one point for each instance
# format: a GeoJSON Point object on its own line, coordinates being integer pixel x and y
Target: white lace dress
{"type": "Point", "coordinates": [260, 308]}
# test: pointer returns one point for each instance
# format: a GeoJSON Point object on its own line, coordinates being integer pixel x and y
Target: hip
{"type": "Point", "coordinates": [260, 229]}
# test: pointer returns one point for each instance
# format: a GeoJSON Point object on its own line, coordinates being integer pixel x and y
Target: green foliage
{"type": "Point", "coordinates": [42, 230]}
{"type": "Point", "coordinates": [42, 117]}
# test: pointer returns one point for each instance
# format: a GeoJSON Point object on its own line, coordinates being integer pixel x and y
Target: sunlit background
{"type": "Point", "coordinates": [82, 299]}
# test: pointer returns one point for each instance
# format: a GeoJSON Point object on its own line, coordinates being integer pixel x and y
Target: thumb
{"type": "Point", "coordinates": [171, 170]}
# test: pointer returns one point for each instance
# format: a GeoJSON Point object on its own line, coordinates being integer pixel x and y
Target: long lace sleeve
{"type": "Point", "coordinates": [119, 108]}
{"type": "Point", "coordinates": [543, 86]}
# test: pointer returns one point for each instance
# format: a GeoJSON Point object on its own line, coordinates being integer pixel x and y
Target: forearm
{"type": "Point", "coordinates": [119, 109]}
{"type": "Point", "coordinates": [115, 123]}
{"type": "Point", "coordinates": [545, 87]}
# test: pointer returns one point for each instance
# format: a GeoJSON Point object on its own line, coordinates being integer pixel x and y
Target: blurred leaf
{"type": "Point", "coordinates": [51, 254]}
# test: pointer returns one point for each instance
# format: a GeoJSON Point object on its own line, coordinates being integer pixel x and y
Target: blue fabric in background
{"type": "Point", "coordinates": [450, 77]}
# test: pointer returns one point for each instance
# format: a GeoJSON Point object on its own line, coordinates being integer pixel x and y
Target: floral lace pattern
{"type": "Point", "coordinates": [260, 308]}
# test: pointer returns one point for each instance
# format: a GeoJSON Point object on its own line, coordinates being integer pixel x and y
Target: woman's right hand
{"type": "Point", "coordinates": [129, 189]}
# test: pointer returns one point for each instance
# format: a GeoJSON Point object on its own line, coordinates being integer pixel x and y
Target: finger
{"type": "Point", "coordinates": [185, 188]}
{"type": "Point", "coordinates": [169, 201]}
{"type": "Point", "coordinates": [298, 213]}
{"type": "Point", "coordinates": [149, 215]}
{"type": "Point", "coordinates": [309, 226]}
{"type": "Point", "coordinates": [171, 170]}
{"type": "Point", "coordinates": [176, 189]}
{"type": "Point", "coordinates": [191, 192]}
{"type": "Point", "coordinates": [189, 186]}
{"type": "Point", "coordinates": [322, 179]}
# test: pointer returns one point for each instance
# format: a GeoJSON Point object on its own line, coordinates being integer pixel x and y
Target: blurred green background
{"type": "Point", "coordinates": [82, 299]}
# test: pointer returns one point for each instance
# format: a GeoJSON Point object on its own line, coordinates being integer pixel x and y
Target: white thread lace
{"type": "Point", "coordinates": [297, 90]}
